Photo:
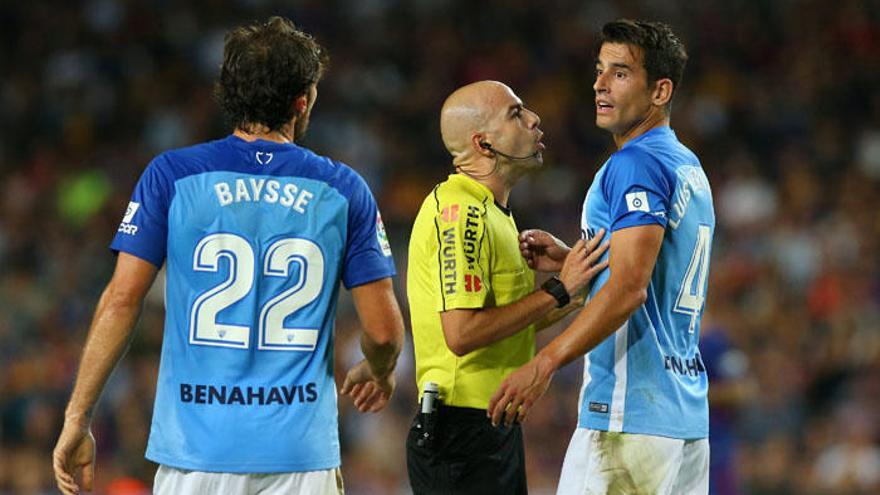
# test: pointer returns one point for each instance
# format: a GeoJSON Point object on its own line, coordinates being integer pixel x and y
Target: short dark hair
{"type": "Point", "coordinates": [266, 66]}
{"type": "Point", "coordinates": [663, 54]}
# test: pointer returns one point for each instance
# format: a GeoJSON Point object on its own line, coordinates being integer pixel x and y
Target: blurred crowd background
{"type": "Point", "coordinates": [781, 101]}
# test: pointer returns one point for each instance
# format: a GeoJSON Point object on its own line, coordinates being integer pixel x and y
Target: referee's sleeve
{"type": "Point", "coordinates": [462, 256]}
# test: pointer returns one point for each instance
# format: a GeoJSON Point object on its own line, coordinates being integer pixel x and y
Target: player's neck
{"type": "Point", "coordinates": [254, 133]}
{"type": "Point", "coordinates": [652, 120]}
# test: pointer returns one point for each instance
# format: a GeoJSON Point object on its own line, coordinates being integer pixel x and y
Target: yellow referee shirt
{"type": "Point", "coordinates": [464, 253]}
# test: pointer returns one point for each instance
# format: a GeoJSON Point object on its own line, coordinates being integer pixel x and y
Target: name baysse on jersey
{"type": "Point", "coordinates": [270, 191]}
{"type": "Point", "coordinates": [254, 190]}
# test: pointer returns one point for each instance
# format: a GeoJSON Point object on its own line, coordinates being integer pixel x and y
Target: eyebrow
{"type": "Point", "coordinates": [514, 107]}
{"type": "Point", "coordinates": [615, 65]}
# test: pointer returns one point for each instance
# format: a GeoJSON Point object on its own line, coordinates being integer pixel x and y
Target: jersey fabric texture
{"type": "Point", "coordinates": [648, 377]}
{"type": "Point", "coordinates": [256, 237]}
{"type": "Point", "coordinates": [464, 254]}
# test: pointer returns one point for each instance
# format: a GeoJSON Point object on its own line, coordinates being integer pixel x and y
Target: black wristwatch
{"type": "Point", "coordinates": [557, 289]}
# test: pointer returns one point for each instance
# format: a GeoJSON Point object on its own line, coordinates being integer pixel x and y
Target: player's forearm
{"type": "Point", "coordinates": [382, 356]}
{"type": "Point", "coordinates": [557, 314]}
{"type": "Point", "coordinates": [110, 333]}
{"type": "Point", "coordinates": [605, 313]}
{"type": "Point", "coordinates": [383, 325]}
{"type": "Point", "coordinates": [489, 325]}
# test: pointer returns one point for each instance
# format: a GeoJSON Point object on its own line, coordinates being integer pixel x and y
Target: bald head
{"type": "Point", "coordinates": [469, 110]}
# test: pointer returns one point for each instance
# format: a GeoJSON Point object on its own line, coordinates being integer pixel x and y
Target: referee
{"type": "Point", "coordinates": [472, 296]}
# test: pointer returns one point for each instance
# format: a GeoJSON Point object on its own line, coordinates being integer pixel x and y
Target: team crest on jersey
{"type": "Point", "coordinates": [126, 227]}
{"type": "Point", "coordinates": [263, 158]}
{"type": "Point", "coordinates": [382, 236]}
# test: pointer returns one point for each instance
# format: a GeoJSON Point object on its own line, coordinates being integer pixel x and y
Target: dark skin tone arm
{"type": "Point", "coordinates": [634, 252]}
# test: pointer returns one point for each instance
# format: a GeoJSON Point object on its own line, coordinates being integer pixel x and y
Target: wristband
{"type": "Point", "coordinates": [556, 288]}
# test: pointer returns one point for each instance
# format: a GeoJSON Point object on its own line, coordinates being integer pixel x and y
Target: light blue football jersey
{"type": "Point", "coordinates": [257, 237]}
{"type": "Point", "coordinates": [648, 376]}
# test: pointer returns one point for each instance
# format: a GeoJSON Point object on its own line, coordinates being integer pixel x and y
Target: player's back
{"type": "Point", "coordinates": [649, 377]}
{"type": "Point", "coordinates": [259, 235]}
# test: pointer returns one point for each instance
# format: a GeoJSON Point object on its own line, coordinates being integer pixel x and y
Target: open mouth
{"type": "Point", "coordinates": [603, 107]}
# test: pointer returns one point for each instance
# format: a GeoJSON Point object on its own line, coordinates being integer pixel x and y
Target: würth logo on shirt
{"type": "Point", "coordinates": [637, 201]}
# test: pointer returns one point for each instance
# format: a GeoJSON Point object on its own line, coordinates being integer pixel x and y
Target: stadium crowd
{"type": "Point", "coordinates": [780, 100]}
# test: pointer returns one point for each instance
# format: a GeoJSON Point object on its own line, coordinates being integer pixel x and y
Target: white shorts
{"type": "Point", "coordinates": [173, 481]}
{"type": "Point", "coordinates": [601, 462]}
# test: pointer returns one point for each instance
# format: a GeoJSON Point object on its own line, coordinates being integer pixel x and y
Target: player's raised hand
{"type": "Point", "coordinates": [369, 393]}
{"type": "Point", "coordinates": [582, 263]}
{"type": "Point", "coordinates": [542, 251]}
{"type": "Point", "coordinates": [74, 459]}
{"type": "Point", "coordinates": [519, 391]}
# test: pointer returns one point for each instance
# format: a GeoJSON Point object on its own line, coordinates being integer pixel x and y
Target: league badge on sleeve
{"type": "Point", "coordinates": [382, 236]}
{"type": "Point", "coordinates": [637, 201]}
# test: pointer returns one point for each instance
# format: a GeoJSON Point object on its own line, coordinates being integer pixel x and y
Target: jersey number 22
{"type": "Point", "coordinates": [271, 334]}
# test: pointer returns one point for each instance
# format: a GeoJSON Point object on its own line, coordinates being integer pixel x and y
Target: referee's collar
{"type": "Point", "coordinates": [478, 189]}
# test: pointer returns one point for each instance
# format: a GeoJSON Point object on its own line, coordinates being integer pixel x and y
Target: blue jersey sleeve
{"type": "Point", "coordinates": [144, 228]}
{"type": "Point", "coordinates": [637, 191]}
{"type": "Point", "coordinates": [368, 253]}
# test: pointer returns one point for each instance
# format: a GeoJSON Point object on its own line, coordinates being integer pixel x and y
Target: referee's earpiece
{"type": "Point", "coordinates": [485, 145]}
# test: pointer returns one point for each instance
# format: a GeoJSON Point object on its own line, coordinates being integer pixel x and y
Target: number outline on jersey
{"type": "Point", "coordinates": [689, 302]}
{"type": "Point", "coordinates": [243, 269]}
{"type": "Point", "coordinates": [233, 252]}
{"type": "Point", "coordinates": [307, 337]}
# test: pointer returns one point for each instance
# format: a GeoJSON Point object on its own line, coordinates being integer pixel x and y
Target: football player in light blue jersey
{"type": "Point", "coordinates": [256, 234]}
{"type": "Point", "coordinates": [643, 419]}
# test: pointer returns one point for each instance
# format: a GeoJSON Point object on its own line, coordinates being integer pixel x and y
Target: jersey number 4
{"type": "Point", "coordinates": [692, 295]}
{"type": "Point", "coordinates": [271, 334]}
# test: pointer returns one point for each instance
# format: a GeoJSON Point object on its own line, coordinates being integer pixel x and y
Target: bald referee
{"type": "Point", "coordinates": [472, 295]}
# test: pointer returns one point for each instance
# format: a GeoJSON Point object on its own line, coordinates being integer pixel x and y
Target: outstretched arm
{"type": "Point", "coordinates": [370, 383]}
{"type": "Point", "coordinates": [634, 252]}
{"type": "Point", "coordinates": [108, 338]}
{"type": "Point", "coordinates": [466, 330]}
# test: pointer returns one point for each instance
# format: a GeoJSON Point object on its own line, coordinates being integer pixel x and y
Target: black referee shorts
{"type": "Point", "coordinates": [468, 455]}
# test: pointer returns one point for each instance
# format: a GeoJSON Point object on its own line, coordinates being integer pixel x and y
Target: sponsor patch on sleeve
{"type": "Point", "coordinates": [382, 236]}
{"type": "Point", "coordinates": [127, 227]}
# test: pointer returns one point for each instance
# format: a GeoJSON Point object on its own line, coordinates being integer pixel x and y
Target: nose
{"type": "Point", "coordinates": [536, 120]}
{"type": "Point", "coordinates": [599, 85]}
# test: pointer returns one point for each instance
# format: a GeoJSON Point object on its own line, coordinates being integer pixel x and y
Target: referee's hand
{"type": "Point", "coordinates": [542, 251]}
{"type": "Point", "coordinates": [519, 391]}
{"type": "Point", "coordinates": [369, 393]}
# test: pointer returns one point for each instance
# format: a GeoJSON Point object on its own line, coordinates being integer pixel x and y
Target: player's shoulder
{"type": "Point", "coordinates": [338, 175]}
{"type": "Point", "coordinates": [634, 155]}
